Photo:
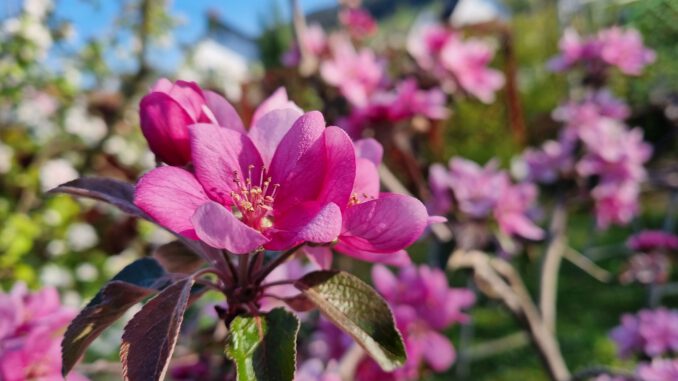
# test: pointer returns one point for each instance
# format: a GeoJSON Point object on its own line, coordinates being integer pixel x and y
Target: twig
{"type": "Point", "coordinates": [275, 263]}
{"type": "Point", "coordinates": [349, 362]}
{"type": "Point", "coordinates": [551, 266]}
{"type": "Point", "coordinates": [494, 347]}
{"type": "Point", "coordinates": [308, 63]}
{"type": "Point", "coordinates": [587, 265]}
{"type": "Point", "coordinates": [498, 280]}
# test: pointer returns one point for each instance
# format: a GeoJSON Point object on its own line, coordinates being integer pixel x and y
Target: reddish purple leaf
{"type": "Point", "coordinates": [114, 192]}
{"type": "Point", "coordinates": [176, 257]}
{"type": "Point", "coordinates": [149, 338]}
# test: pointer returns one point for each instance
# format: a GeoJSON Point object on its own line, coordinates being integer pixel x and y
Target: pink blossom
{"type": "Point", "coordinates": [652, 332]}
{"type": "Point", "coordinates": [169, 108]}
{"type": "Point", "coordinates": [468, 62]}
{"type": "Point", "coordinates": [315, 370]}
{"type": "Point", "coordinates": [458, 63]}
{"type": "Point", "coordinates": [512, 211]}
{"type": "Point", "coordinates": [232, 171]}
{"type": "Point", "coordinates": [359, 22]}
{"type": "Point", "coordinates": [615, 46]}
{"type": "Point", "coordinates": [615, 203]}
{"type": "Point", "coordinates": [31, 325]}
{"type": "Point", "coordinates": [549, 162]}
{"type": "Point", "coordinates": [314, 41]}
{"type": "Point", "coordinates": [423, 305]}
{"type": "Point", "coordinates": [580, 115]}
{"type": "Point", "coordinates": [645, 268]}
{"type": "Point", "coordinates": [357, 74]}
{"type": "Point", "coordinates": [659, 370]}
{"type": "Point", "coordinates": [476, 189]}
{"type": "Point", "coordinates": [406, 101]}
{"type": "Point", "coordinates": [625, 50]}
{"type": "Point", "coordinates": [574, 49]}
{"type": "Point", "coordinates": [369, 231]}
{"type": "Point", "coordinates": [651, 240]}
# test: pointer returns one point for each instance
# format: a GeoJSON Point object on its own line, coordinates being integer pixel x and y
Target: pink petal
{"type": "Point", "coordinates": [277, 100]}
{"type": "Point", "coordinates": [303, 135]}
{"type": "Point", "coordinates": [384, 280]}
{"type": "Point", "coordinates": [369, 149]}
{"type": "Point", "coordinates": [438, 351]}
{"type": "Point", "coordinates": [188, 94]}
{"type": "Point", "coordinates": [164, 124]}
{"type": "Point", "coordinates": [385, 225]}
{"type": "Point", "coordinates": [340, 167]}
{"type": "Point", "coordinates": [270, 129]}
{"type": "Point", "coordinates": [310, 222]}
{"type": "Point", "coordinates": [223, 111]}
{"type": "Point", "coordinates": [398, 258]}
{"type": "Point", "coordinates": [221, 155]}
{"type": "Point", "coordinates": [218, 227]}
{"type": "Point", "coordinates": [170, 195]}
{"type": "Point", "coordinates": [366, 185]}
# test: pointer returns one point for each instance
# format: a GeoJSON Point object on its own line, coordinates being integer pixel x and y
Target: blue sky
{"type": "Point", "coordinates": [92, 18]}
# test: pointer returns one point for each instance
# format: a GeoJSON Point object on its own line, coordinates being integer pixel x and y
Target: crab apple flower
{"type": "Point", "coordinates": [359, 22]}
{"type": "Point", "coordinates": [237, 200]}
{"type": "Point", "coordinates": [659, 370]}
{"type": "Point", "coordinates": [574, 49]}
{"type": "Point", "coordinates": [458, 63]}
{"type": "Point", "coordinates": [30, 334]}
{"type": "Point", "coordinates": [615, 46]}
{"type": "Point", "coordinates": [476, 189]}
{"type": "Point", "coordinates": [625, 50]}
{"type": "Point", "coordinates": [581, 115]}
{"type": "Point", "coordinates": [315, 370]}
{"type": "Point", "coordinates": [547, 163]}
{"type": "Point", "coordinates": [314, 41]}
{"type": "Point", "coordinates": [615, 203]}
{"type": "Point", "coordinates": [653, 240]}
{"type": "Point", "coordinates": [357, 74]}
{"type": "Point", "coordinates": [372, 227]}
{"type": "Point", "coordinates": [424, 305]}
{"type": "Point", "coordinates": [169, 108]}
{"type": "Point", "coordinates": [647, 268]}
{"type": "Point", "coordinates": [512, 210]}
{"type": "Point", "coordinates": [468, 62]}
{"type": "Point", "coordinates": [652, 332]}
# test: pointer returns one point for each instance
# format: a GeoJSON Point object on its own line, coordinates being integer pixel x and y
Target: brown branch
{"type": "Point", "coordinates": [551, 266]}
{"type": "Point", "coordinates": [497, 279]}
{"type": "Point", "coordinates": [308, 64]}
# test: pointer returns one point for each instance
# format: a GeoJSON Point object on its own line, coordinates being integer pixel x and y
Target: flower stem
{"type": "Point", "coordinates": [275, 263]}
{"type": "Point", "coordinates": [243, 267]}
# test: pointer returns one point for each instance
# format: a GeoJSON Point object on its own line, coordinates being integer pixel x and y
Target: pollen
{"type": "Point", "coordinates": [253, 201]}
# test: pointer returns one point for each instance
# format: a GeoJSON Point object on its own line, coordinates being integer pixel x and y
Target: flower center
{"type": "Point", "coordinates": [253, 202]}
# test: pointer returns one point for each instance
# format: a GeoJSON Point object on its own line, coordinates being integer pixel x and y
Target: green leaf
{"type": "Point", "coordinates": [131, 285]}
{"type": "Point", "coordinates": [358, 310]}
{"type": "Point", "coordinates": [149, 338]}
{"type": "Point", "coordinates": [263, 348]}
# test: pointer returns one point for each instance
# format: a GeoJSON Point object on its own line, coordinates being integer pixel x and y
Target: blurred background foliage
{"type": "Point", "coordinates": [70, 109]}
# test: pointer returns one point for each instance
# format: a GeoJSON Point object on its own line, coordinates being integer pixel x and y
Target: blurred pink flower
{"type": "Point", "coordinates": [645, 268]}
{"type": "Point", "coordinates": [357, 74]}
{"type": "Point", "coordinates": [649, 332]}
{"type": "Point", "coordinates": [476, 189]}
{"type": "Point", "coordinates": [512, 211]}
{"type": "Point", "coordinates": [315, 370]}
{"type": "Point", "coordinates": [424, 306]}
{"type": "Point", "coordinates": [659, 370]}
{"type": "Point", "coordinates": [459, 63]}
{"type": "Point", "coordinates": [405, 101]}
{"type": "Point", "coordinates": [615, 203]}
{"type": "Point", "coordinates": [580, 115]}
{"type": "Point", "coordinates": [359, 22]}
{"type": "Point", "coordinates": [615, 46]}
{"type": "Point", "coordinates": [625, 50]}
{"type": "Point", "coordinates": [651, 240]}
{"type": "Point", "coordinates": [549, 162]}
{"type": "Point", "coordinates": [314, 41]}
{"type": "Point", "coordinates": [31, 327]}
